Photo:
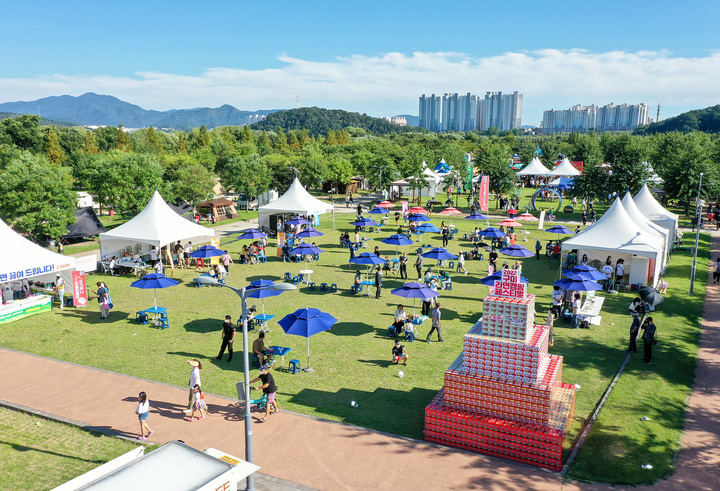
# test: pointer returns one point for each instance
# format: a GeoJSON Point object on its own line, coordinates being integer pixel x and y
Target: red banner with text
{"type": "Point", "coordinates": [79, 289]}
{"type": "Point", "coordinates": [484, 193]}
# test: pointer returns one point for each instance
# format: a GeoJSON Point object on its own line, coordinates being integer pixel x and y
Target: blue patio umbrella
{"type": "Point", "coordinates": [578, 285]}
{"type": "Point", "coordinates": [365, 222]}
{"type": "Point", "coordinates": [305, 250]}
{"type": "Point", "coordinates": [417, 217]}
{"type": "Point", "coordinates": [577, 274]}
{"type": "Point", "coordinates": [207, 251]}
{"type": "Point", "coordinates": [306, 322]}
{"type": "Point", "coordinates": [309, 232]}
{"type": "Point", "coordinates": [492, 232]}
{"type": "Point", "coordinates": [298, 221]}
{"type": "Point", "coordinates": [559, 229]}
{"type": "Point", "coordinates": [476, 216]}
{"type": "Point", "coordinates": [516, 250]}
{"type": "Point", "coordinates": [251, 234]}
{"type": "Point", "coordinates": [154, 281]}
{"type": "Point", "coordinates": [379, 211]}
{"type": "Point", "coordinates": [415, 290]}
{"type": "Point", "coordinates": [497, 276]}
{"type": "Point", "coordinates": [426, 228]}
{"type": "Point", "coordinates": [397, 240]}
{"type": "Point", "coordinates": [368, 259]}
{"type": "Point", "coordinates": [438, 253]}
{"type": "Point", "coordinates": [258, 289]}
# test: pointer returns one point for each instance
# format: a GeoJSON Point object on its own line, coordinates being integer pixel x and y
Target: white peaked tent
{"type": "Point", "coordinates": [646, 225]}
{"type": "Point", "coordinates": [22, 259]}
{"type": "Point", "coordinates": [647, 204]}
{"type": "Point", "coordinates": [617, 235]}
{"type": "Point", "coordinates": [157, 225]}
{"type": "Point", "coordinates": [534, 168]}
{"type": "Point", "coordinates": [565, 169]}
{"type": "Point", "coordinates": [295, 200]}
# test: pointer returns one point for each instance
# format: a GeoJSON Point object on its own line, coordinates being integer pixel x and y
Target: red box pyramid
{"type": "Point", "coordinates": [504, 396]}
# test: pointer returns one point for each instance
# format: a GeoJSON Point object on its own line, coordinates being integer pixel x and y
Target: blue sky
{"type": "Point", "coordinates": [373, 57]}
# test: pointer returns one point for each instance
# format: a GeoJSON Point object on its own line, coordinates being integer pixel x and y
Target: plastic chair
{"type": "Point", "coordinates": [141, 317]}
{"type": "Point", "coordinates": [296, 280]}
{"type": "Point", "coordinates": [410, 335]}
{"type": "Point", "coordinates": [323, 287]}
{"type": "Point", "coordinates": [311, 285]}
{"type": "Point", "coordinates": [164, 323]}
{"type": "Point", "coordinates": [451, 264]}
{"type": "Point", "coordinates": [333, 287]}
{"type": "Point", "coordinates": [262, 259]}
{"type": "Point", "coordinates": [288, 277]}
{"type": "Point", "coordinates": [392, 332]}
{"type": "Point", "coordinates": [294, 366]}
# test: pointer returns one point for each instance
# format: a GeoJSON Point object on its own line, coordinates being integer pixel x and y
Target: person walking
{"type": "Point", "coordinates": [716, 271]}
{"type": "Point", "coordinates": [143, 412]}
{"type": "Point", "coordinates": [228, 336]}
{"type": "Point", "coordinates": [445, 235]}
{"type": "Point", "coordinates": [378, 283]}
{"type": "Point", "coordinates": [347, 201]}
{"type": "Point", "coordinates": [538, 248]}
{"type": "Point", "coordinates": [59, 288]}
{"type": "Point", "coordinates": [269, 388]}
{"type": "Point", "coordinates": [634, 331]}
{"type": "Point", "coordinates": [226, 261]}
{"type": "Point", "coordinates": [461, 263]}
{"type": "Point", "coordinates": [403, 266]}
{"type": "Point", "coordinates": [419, 265]}
{"type": "Point", "coordinates": [199, 404]}
{"type": "Point", "coordinates": [194, 380]}
{"type": "Point", "coordinates": [103, 298]}
{"type": "Point", "coordinates": [436, 319]}
{"type": "Point", "coordinates": [649, 339]}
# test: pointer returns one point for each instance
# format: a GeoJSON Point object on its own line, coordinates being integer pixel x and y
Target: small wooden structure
{"type": "Point", "coordinates": [217, 209]}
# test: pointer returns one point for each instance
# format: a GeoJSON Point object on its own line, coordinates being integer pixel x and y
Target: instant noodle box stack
{"type": "Point", "coordinates": [504, 395]}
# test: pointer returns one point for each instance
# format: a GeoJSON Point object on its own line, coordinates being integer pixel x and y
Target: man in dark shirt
{"type": "Point", "coordinates": [399, 353]}
{"type": "Point", "coordinates": [403, 266]}
{"type": "Point", "coordinates": [228, 336]}
{"type": "Point", "coordinates": [269, 388]}
{"type": "Point", "coordinates": [378, 283]}
{"type": "Point", "coordinates": [492, 258]}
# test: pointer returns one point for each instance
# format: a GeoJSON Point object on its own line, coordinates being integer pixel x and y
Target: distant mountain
{"type": "Point", "coordinates": [319, 121]}
{"type": "Point", "coordinates": [103, 110]}
{"type": "Point", "coordinates": [706, 120]}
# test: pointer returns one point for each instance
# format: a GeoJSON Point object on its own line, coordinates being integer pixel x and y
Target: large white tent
{"type": "Point", "coordinates": [157, 225]}
{"type": "Point", "coordinates": [647, 204]}
{"type": "Point", "coordinates": [617, 235]}
{"type": "Point", "coordinates": [534, 168]}
{"type": "Point", "coordinates": [295, 200]}
{"type": "Point", "coordinates": [646, 225]}
{"type": "Point", "coordinates": [565, 169]}
{"type": "Point", "coordinates": [22, 259]}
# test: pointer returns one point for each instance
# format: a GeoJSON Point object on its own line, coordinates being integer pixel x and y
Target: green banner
{"type": "Point", "coordinates": [23, 308]}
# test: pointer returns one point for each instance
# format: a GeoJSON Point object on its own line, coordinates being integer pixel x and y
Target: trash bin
{"type": "Point", "coordinates": [569, 209]}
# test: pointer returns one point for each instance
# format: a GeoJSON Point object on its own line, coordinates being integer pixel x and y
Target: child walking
{"type": "Point", "coordinates": [199, 405]}
{"type": "Point", "coordinates": [143, 412]}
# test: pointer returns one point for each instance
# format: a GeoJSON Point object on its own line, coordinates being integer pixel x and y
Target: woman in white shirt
{"type": "Point", "coordinates": [400, 317]}
{"type": "Point", "coordinates": [619, 270]}
{"type": "Point", "coordinates": [143, 412]}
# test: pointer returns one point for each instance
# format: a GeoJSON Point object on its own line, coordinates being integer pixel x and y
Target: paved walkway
{"type": "Point", "coordinates": [327, 455]}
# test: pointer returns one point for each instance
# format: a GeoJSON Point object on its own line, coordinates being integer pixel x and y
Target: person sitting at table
{"type": "Point", "coordinates": [250, 315]}
{"type": "Point", "coordinates": [260, 350]}
{"type": "Point", "coordinates": [446, 281]}
{"type": "Point", "coordinates": [115, 268]}
{"type": "Point", "coordinates": [399, 353]}
{"type": "Point", "coordinates": [400, 319]}
{"type": "Point", "coordinates": [585, 261]}
{"type": "Point", "coordinates": [386, 267]}
{"type": "Point", "coordinates": [548, 248]}
{"type": "Point", "coordinates": [428, 276]}
{"type": "Point", "coordinates": [358, 278]}
{"type": "Point", "coordinates": [158, 267]}
{"type": "Point", "coordinates": [285, 252]}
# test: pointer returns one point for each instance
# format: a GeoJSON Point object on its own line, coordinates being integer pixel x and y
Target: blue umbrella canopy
{"type": "Point", "coordinates": [492, 232]}
{"type": "Point", "coordinates": [305, 250]}
{"type": "Point", "coordinates": [397, 240]}
{"type": "Point", "coordinates": [251, 234]}
{"type": "Point", "coordinates": [309, 232]}
{"type": "Point", "coordinates": [427, 228]}
{"type": "Point", "coordinates": [415, 290]}
{"type": "Point", "coordinates": [258, 289]}
{"type": "Point", "coordinates": [367, 258]}
{"type": "Point", "coordinates": [306, 322]}
{"type": "Point", "coordinates": [516, 250]}
{"type": "Point", "coordinates": [417, 217]}
{"type": "Point", "coordinates": [379, 211]}
{"type": "Point", "coordinates": [497, 276]}
{"type": "Point", "coordinates": [154, 281]}
{"type": "Point", "coordinates": [578, 285]}
{"type": "Point", "coordinates": [365, 222]}
{"type": "Point", "coordinates": [476, 216]}
{"type": "Point", "coordinates": [575, 274]}
{"type": "Point", "coordinates": [207, 251]}
{"type": "Point", "coordinates": [298, 221]}
{"type": "Point", "coordinates": [559, 229]}
{"type": "Point", "coordinates": [438, 253]}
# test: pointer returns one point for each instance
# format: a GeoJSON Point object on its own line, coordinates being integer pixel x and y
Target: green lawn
{"type": "Point", "coordinates": [351, 361]}
{"type": "Point", "coordinates": [37, 453]}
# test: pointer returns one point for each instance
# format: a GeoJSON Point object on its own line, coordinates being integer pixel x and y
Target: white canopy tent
{"type": "Point", "coordinates": [295, 200]}
{"type": "Point", "coordinates": [534, 168]}
{"type": "Point", "coordinates": [647, 204]}
{"type": "Point", "coordinates": [565, 169]}
{"type": "Point", "coordinates": [157, 225]}
{"type": "Point", "coordinates": [617, 235]}
{"type": "Point", "coordinates": [646, 225]}
{"type": "Point", "coordinates": [21, 259]}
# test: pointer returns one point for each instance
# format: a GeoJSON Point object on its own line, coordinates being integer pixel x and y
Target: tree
{"type": "Point", "coordinates": [36, 196]}
{"type": "Point", "coordinates": [192, 183]}
{"type": "Point", "coordinates": [340, 170]}
{"type": "Point", "coordinates": [52, 148]}
{"type": "Point", "coordinates": [593, 183]}
{"type": "Point", "coordinates": [492, 159]}
{"type": "Point", "coordinates": [23, 132]}
{"type": "Point", "coordinates": [246, 174]}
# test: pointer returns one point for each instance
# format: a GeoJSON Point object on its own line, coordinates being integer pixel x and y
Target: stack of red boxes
{"type": "Point", "coordinates": [504, 396]}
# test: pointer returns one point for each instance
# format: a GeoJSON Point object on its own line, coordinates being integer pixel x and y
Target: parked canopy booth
{"type": "Point", "coordinates": [648, 226]}
{"type": "Point", "coordinates": [534, 168]}
{"type": "Point", "coordinates": [617, 235]}
{"type": "Point", "coordinates": [87, 224]}
{"type": "Point", "coordinates": [218, 209]}
{"type": "Point", "coordinates": [22, 260]}
{"type": "Point", "coordinates": [157, 225]}
{"type": "Point", "coordinates": [296, 200]}
{"type": "Point", "coordinates": [656, 213]}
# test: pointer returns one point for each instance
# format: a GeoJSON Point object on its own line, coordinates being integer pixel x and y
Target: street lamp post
{"type": "Point", "coordinates": [242, 293]}
{"type": "Point", "coordinates": [697, 237]}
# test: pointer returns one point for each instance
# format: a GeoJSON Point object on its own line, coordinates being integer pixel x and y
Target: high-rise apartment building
{"type": "Point", "coordinates": [612, 117]}
{"type": "Point", "coordinates": [470, 112]}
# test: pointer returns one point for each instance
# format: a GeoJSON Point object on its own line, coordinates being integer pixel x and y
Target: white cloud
{"type": "Point", "coordinates": [391, 83]}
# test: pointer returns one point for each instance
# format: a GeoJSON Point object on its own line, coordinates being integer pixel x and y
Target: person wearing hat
{"type": "Point", "coordinates": [399, 353]}
{"type": "Point", "coordinates": [250, 315]}
{"type": "Point", "coordinates": [60, 289]}
{"type": "Point", "coordinates": [228, 336]}
{"type": "Point", "coordinates": [194, 380]}
{"type": "Point", "coordinates": [269, 388]}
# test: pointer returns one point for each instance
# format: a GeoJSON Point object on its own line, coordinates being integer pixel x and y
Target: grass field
{"type": "Point", "coordinates": [38, 453]}
{"type": "Point", "coordinates": [352, 360]}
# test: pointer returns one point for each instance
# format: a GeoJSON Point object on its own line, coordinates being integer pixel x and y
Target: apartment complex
{"type": "Point", "coordinates": [612, 117]}
{"type": "Point", "coordinates": [454, 112]}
